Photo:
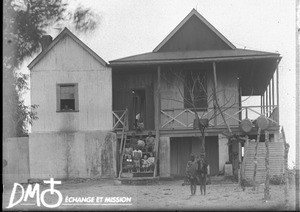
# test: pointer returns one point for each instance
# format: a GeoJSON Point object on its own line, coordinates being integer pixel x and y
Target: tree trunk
{"type": "Point", "coordinates": [255, 159]}
{"type": "Point", "coordinates": [267, 182]}
{"type": "Point", "coordinates": [285, 173]}
{"type": "Point", "coordinates": [202, 140]}
{"type": "Point", "coordinates": [243, 175]}
{"type": "Point", "coordinates": [202, 129]}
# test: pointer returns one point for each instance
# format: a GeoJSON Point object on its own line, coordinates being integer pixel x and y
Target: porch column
{"type": "Point", "coordinates": [157, 119]}
{"type": "Point", "coordinates": [273, 97]}
{"type": "Point", "coordinates": [277, 90]}
{"type": "Point", "coordinates": [223, 151]}
{"type": "Point", "coordinates": [164, 157]}
{"type": "Point", "coordinates": [262, 103]}
{"type": "Point", "coordinates": [267, 103]}
{"type": "Point", "coordinates": [216, 98]}
{"type": "Point", "coordinates": [270, 98]}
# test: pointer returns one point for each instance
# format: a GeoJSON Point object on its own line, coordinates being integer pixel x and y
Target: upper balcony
{"type": "Point", "coordinates": [179, 120]}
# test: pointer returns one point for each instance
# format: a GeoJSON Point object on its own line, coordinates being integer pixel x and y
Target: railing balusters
{"type": "Point", "coordinates": [182, 119]}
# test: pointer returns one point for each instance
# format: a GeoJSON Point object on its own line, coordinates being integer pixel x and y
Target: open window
{"type": "Point", "coordinates": [67, 97]}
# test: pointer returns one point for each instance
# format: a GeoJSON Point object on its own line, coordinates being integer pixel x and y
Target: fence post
{"type": "Point", "coordinates": [267, 181]}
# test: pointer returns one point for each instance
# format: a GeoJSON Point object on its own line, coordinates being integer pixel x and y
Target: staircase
{"type": "Point", "coordinates": [126, 177]}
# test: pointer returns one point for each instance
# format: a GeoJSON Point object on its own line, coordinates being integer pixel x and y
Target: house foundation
{"type": "Point", "coordinates": [68, 155]}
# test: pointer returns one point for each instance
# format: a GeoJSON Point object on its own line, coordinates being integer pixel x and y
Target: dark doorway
{"type": "Point", "coordinates": [182, 147]}
{"type": "Point", "coordinates": [138, 107]}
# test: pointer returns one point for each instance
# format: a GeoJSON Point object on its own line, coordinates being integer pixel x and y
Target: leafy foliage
{"type": "Point", "coordinates": [24, 23]}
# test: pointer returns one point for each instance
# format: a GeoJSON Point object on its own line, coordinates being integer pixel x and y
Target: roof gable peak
{"type": "Point", "coordinates": [60, 36]}
{"type": "Point", "coordinates": [204, 21]}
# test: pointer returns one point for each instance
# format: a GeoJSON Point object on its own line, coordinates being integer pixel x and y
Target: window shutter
{"type": "Point", "coordinates": [76, 97]}
{"type": "Point", "coordinates": [57, 97]}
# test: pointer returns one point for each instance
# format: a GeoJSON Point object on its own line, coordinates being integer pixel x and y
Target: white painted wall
{"type": "Point", "coordinates": [164, 157]}
{"type": "Point", "coordinates": [73, 155]}
{"type": "Point", "coordinates": [68, 62]}
{"type": "Point", "coordinates": [223, 151]}
{"type": "Point", "coordinates": [15, 153]}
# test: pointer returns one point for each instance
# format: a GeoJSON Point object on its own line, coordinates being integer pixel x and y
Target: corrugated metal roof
{"type": "Point", "coordinates": [193, 56]}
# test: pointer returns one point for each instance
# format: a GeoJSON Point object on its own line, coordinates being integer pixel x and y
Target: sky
{"type": "Point", "coordinates": [137, 26]}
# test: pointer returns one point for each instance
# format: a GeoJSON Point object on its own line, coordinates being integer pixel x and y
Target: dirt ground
{"type": "Point", "coordinates": [165, 195]}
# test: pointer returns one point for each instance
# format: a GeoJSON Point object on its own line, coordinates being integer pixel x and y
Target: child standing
{"type": "Point", "coordinates": [202, 173]}
{"type": "Point", "coordinates": [129, 163]}
{"type": "Point", "coordinates": [151, 161]}
{"type": "Point", "coordinates": [191, 171]}
{"type": "Point", "coordinates": [145, 163]}
{"type": "Point", "coordinates": [150, 142]}
{"type": "Point", "coordinates": [137, 155]}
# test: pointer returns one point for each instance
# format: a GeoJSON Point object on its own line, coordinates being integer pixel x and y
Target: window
{"type": "Point", "coordinates": [67, 97]}
{"type": "Point", "coordinates": [195, 88]}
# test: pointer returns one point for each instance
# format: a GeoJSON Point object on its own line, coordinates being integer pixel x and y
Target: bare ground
{"type": "Point", "coordinates": [165, 195]}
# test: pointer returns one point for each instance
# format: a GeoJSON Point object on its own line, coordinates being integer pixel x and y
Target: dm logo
{"type": "Point", "coordinates": [40, 197]}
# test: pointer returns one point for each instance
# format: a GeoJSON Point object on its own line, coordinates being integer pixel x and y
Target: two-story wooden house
{"type": "Point", "coordinates": [154, 86]}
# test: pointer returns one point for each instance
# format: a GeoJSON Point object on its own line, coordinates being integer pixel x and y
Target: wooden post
{"type": "Point", "coordinates": [270, 99]}
{"type": "Point", "coordinates": [261, 104]}
{"type": "Point", "coordinates": [277, 89]}
{"type": "Point", "coordinates": [267, 181]}
{"type": "Point", "coordinates": [273, 95]}
{"type": "Point", "coordinates": [157, 120]}
{"type": "Point", "coordinates": [240, 164]}
{"type": "Point", "coordinates": [267, 103]}
{"type": "Point", "coordinates": [246, 145]}
{"type": "Point", "coordinates": [297, 137]}
{"type": "Point", "coordinates": [285, 165]}
{"type": "Point", "coordinates": [264, 104]}
{"type": "Point", "coordinates": [255, 158]}
{"type": "Point", "coordinates": [216, 99]}
{"type": "Point", "coordinates": [123, 143]}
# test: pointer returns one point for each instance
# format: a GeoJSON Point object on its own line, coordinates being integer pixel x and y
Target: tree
{"type": "Point", "coordinates": [192, 87]}
{"type": "Point", "coordinates": [25, 21]}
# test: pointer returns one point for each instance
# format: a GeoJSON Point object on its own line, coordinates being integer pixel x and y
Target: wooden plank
{"type": "Point", "coordinates": [277, 89]}
{"type": "Point", "coordinates": [255, 160]}
{"type": "Point", "coordinates": [267, 182]}
{"type": "Point", "coordinates": [149, 108]}
{"type": "Point", "coordinates": [157, 119]}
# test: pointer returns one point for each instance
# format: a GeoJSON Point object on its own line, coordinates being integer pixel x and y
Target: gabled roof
{"type": "Point", "coordinates": [66, 32]}
{"type": "Point", "coordinates": [192, 56]}
{"type": "Point", "coordinates": [201, 18]}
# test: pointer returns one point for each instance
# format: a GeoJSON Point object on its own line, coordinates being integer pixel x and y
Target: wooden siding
{"type": "Point", "coordinates": [194, 35]}
{"type": "Point", "coordinates": [227, 94]}
{"type": "Point", "coordinates": [67, 55]}
{"type": "Point", "coordinates": [68, 62]}
{"type": "Point", "coordinates": [275, 163]}
{"type": "Point", "coordinates": [126, 81]}
{"type": "Point", "coordinates": [182, 148]}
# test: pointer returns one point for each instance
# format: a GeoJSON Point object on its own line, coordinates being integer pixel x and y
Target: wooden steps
{"type": "Point", "coordinates": [276, 160]}
{"type": "Point", "coordinates": [138, 180]}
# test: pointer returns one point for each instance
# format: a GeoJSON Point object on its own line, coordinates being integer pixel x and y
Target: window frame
{"type": "Point", "coordinates": [187, 104]}
{"type": "Point", "coordinates": [58, 99]}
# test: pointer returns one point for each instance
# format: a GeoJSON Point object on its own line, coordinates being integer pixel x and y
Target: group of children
{"type": "Point", "coordinates": [139, 154]}
{"type": "Point", "coordinates": [196, 171]}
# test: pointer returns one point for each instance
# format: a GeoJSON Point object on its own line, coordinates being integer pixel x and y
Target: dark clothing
{"type": "Point", "coordinates": [133, 142]}
{"type": "Point", "coordinates": [202, 179]}
{"type": "Point", "coordinates": [191, 173]}
{"type": "Point", "coordinates": [202, 173]}
{"type": "Point", "coordinates": [191, 169]}
{"type": "Point", "coordinates": [202, 168]}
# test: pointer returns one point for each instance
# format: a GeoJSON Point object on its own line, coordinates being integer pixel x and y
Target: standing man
{"type": "Point", "coordinates": [191, 172]}
{"type": "Point", "coordinates": [202, 173]}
